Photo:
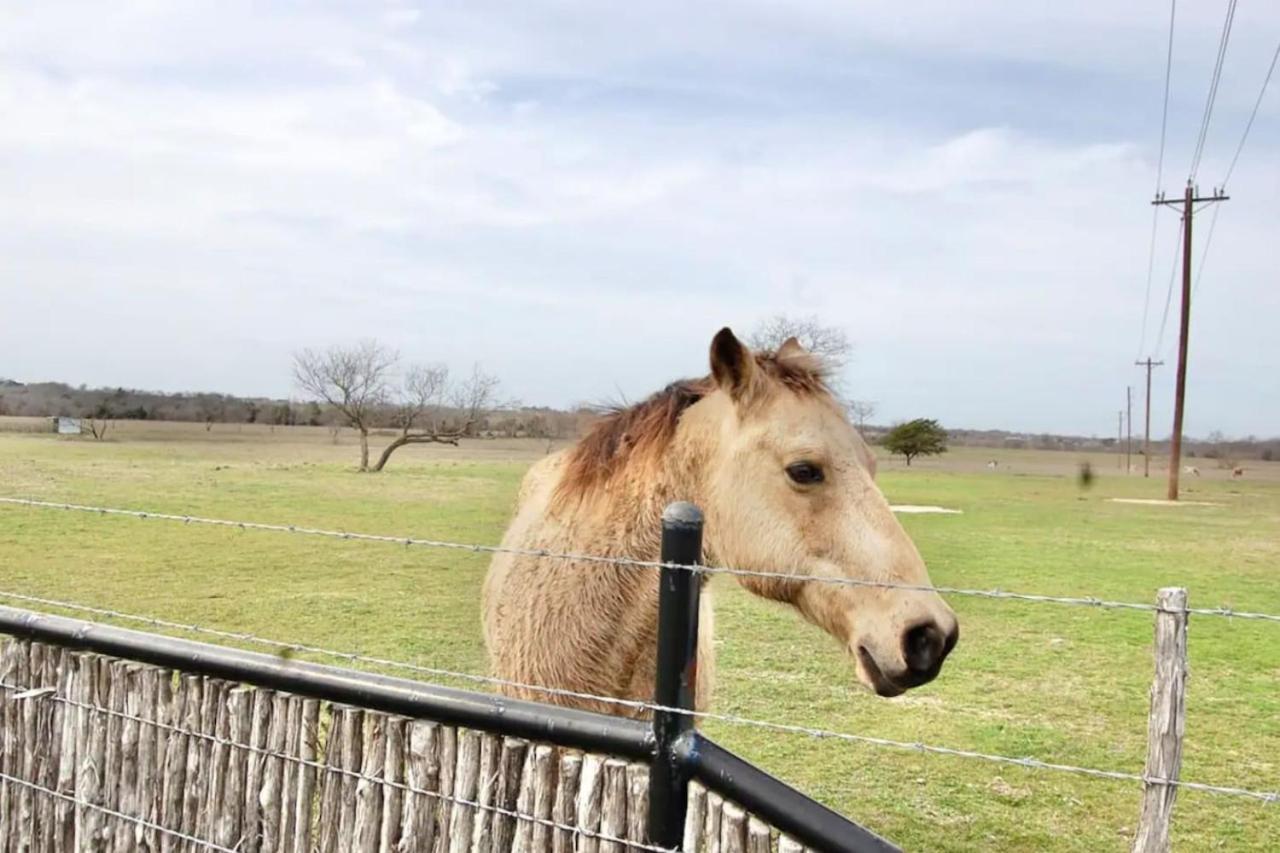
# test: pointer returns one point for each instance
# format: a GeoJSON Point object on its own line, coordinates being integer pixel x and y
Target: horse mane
{"type": "Point", "coordinates": [644, 431]}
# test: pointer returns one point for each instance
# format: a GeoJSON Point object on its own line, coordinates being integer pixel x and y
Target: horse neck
{"type": "Point", "coordinates": [627, 519]}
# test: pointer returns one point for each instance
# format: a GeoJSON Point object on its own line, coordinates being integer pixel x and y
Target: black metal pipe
{"type": "Point", "coordinates": [488, 712]}
{"type": "Point", "coordinates": [677, 671]}
{"type": "Point", "coordinates": [775, 802]}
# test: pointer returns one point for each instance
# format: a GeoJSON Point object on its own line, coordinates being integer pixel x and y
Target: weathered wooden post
{"type": "Point", "coordinates": [677, 670]}
{"type": "Point", "coordinates": [1166, 724]}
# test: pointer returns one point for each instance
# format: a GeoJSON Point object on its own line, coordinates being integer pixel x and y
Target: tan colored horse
{"type": "Point", "coordinates": [786, 485]}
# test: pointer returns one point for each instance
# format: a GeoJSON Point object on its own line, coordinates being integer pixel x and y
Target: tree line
{"type": "Point", "coordinates": [367, 388]}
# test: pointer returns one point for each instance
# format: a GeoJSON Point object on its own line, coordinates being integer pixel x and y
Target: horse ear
{"type": "Point", "coordinates": [732, 364]}
{"type": "Point", "coordinates": [794, 354]}
{"type": "Point", "coordinates": [790, 349]}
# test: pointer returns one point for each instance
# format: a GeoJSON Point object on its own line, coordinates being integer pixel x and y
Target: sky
{"type": "Point", "coordinates": [577, 196]}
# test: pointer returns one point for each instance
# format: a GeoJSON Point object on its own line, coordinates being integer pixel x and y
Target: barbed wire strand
{"type": "Point", "coordinates": [349, 657]}
{"type": "Point", "coordinates": [50, 694]}
{"type": "Point", "coordinates": [408, 541]}
{"type": "Point", "coordinates": [1267, 797]}
{"type": "Point", "coordinates": [142, 822]}
{"type": "Point", "coordinates": [733, 719]}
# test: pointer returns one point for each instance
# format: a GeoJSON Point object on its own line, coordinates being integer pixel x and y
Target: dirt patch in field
{"type": "Point", "coordinates": [913, 509]}
{"type": "Point", "coordinates": [1162, 502]}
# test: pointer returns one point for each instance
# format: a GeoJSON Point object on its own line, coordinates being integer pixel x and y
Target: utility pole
{"type": "Point", "coordinates": [1146, 436]}
{"type": "Point", "coordinates": [1189, 200]}
{"type": "Point", "coordinates": [1120, 439]}
{"type": "Point", "coordinates": [1128, 424]}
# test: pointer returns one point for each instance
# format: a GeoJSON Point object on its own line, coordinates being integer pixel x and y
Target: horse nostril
{"type": "Point", "coordinates": [952, 639]}
{"type": "Point", "coordinates": [924, 647]}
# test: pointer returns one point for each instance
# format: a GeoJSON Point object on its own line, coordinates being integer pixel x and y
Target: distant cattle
{"type": "Point", "coordinates": [993, 464]}
{"type": "Point", "coordinates": [1191, 469]}
{"type": "Point", "coordinates": [1237, 472]}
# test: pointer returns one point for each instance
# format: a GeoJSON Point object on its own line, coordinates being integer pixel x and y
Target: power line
{"type": "Point", "coordinates": [1212, 97]}
{"type": "Point", "coordinates": [1234, 160]}
{"type": "Point", "coordinates": [1168, 296]}
{"type": "Point", "coordinates": [1249, 126]}
{"type": "Point", "coordinates": [1155, 213]}
{"type": "Point", "coordinates": [1204, 255]}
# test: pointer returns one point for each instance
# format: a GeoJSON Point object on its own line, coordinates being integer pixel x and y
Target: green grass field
{"type": "Point", "coordinates": [1062, 684]}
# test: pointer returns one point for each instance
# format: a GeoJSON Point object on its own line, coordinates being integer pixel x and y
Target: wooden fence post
{"type": "Point", "coordinates": [1166, 724]}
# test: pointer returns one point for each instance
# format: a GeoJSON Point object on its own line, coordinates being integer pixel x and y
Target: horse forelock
{"type": "Point", "coordinates": [641, 433]}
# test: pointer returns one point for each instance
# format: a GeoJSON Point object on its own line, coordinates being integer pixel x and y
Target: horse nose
{"type": "Point", "coordinates": [925, 647]}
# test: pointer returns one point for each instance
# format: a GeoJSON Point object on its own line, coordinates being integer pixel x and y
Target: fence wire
{"type": "Point", "coordinates": [51, 694]}
{"type": "Point", "coordinates": [733, 719]}
{"type": "Point", "coordinates": [411, 541]}
{"type": "Point", "coordinates": [142, 822]}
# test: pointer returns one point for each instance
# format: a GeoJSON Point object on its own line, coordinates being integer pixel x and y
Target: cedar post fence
{"type": "Point", "coordinates": [382, 729]}
{"type": "Point", "coordinates": [1166, 725]}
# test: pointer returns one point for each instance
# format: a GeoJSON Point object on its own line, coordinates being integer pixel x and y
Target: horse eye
{"type": "Point", "coordinates": [804, 473]}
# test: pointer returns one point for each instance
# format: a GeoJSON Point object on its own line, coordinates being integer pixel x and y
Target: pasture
{"type": "Point", "coordinates": [1061, 684]}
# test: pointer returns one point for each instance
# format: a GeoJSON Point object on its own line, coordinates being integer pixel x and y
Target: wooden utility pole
{"type": "Point", "coordinates": [1120, 439]}
{"type": "Point", "coordinates": [1146, 436]}
{"type": "Point", "coordinates": [1128, 428]}
{"type": "Point", "coordinates": [1189, 201]}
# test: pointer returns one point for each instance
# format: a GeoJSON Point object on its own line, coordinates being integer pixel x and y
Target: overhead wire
{"type": "Point", "coordinates": [1155, 211]}
{"type": "Point", "coordinates": [1212, 96]}
{"type": "Point", "coordinates": [1168, 296]}
{"type": "Point", "coordinates": [1235, 158]}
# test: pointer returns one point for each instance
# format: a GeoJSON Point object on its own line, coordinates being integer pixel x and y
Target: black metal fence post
{"type": "Point", "coordinates": [677, 671]}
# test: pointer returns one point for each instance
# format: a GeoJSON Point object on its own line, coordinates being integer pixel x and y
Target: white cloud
{"type": "Point", "coordinates": [580, 199]}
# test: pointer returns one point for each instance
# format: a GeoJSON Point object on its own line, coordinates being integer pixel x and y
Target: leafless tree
{"type": "Point", "coordinates": [473, 397]}
{"type": "Point", "coordinates": [98, 425]}
{"type": "Point", "coordinates": [212, 407]}
{"type": "Point", "coordinates": [415, 412]}
{"type": "Point", "coordinates": [828, 342]}
{"type": "Point", "coordinates": [354, 381]}
{"type": "Point", "coordinates": [860, 410]}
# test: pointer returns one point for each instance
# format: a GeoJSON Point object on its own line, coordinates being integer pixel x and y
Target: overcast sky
{"type": "Point", "coordinates": [578, 195]}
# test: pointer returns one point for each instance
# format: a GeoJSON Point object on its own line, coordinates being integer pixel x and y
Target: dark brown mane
{"type": "Point", "coordinates": [644, 430]}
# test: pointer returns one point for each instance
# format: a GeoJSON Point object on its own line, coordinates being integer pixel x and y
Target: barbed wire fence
{"type": "Point", "coordinates": [1159, 780]}
{"type": "Point", "coordinates": [627, 562]}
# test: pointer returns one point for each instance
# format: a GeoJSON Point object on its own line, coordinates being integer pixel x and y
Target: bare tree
{"type": "Point", "coordinates": [212, 407]}
{"type": "Point", "coordinates": [415, 413]}
{"type": "Point", "coordinates": [473, 397]}
{"type": "Point", "coordinates": [98, 424]}
{"type": "Point", "coordinates": [352, 380]}
{"type": "Point", "coordinates": [827, 342]}
{"type": "Point", "coordinates": [860, 410]}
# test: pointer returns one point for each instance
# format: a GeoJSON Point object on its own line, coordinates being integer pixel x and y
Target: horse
{"type": "Point", "coordinates": [787, 486]}
{"type": "Point", "coordinates": [1237, 472]}
{"type": "Point", "coordinates": [1191, 469]}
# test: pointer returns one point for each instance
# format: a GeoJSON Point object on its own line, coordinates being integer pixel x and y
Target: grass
{"type": "Point", "coordinates": [1063, 684]}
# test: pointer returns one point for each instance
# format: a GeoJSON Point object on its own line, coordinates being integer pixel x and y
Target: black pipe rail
{"type": "Point", "coordinates": [674, 750]}
{"type": "Point", "coordinates": [486, 711]}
